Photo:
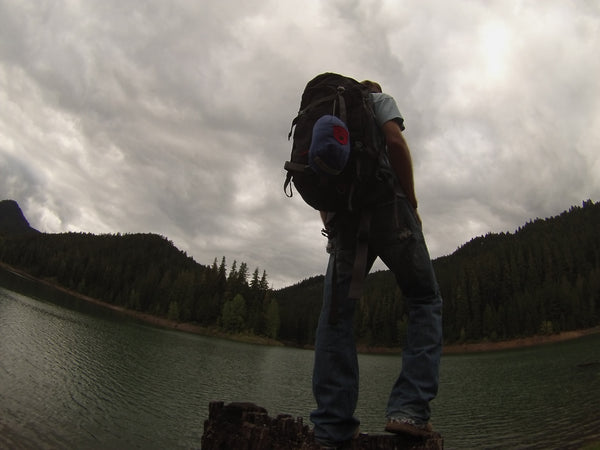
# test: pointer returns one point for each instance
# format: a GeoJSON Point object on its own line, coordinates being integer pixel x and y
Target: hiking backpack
{"type": "Point", "coordinates": [340, 181]}
{"type": "Point", "coordinates": [331, 94]}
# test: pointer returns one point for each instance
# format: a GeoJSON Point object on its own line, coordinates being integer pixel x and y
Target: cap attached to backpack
{"type": "Point", "coordinates": [330, 146]}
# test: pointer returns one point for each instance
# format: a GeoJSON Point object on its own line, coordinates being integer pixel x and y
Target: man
{"type": "Point", "coordinates": [396, 237]}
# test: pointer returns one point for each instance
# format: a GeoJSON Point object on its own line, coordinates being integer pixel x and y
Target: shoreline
{"type": "Point", "coordinates": [161, 322]}
{"type": "Point", "coordinates": [494, 346]}
{"type": "Point", "coordinates": [524, 342]}
{"type": "Point", "coordinates": [188, 327]}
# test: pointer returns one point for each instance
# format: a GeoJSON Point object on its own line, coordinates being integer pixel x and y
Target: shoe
{"type": "Point", "coordinates": [327, 445]}
{"type": "Point", "coordinates": [405, 425]}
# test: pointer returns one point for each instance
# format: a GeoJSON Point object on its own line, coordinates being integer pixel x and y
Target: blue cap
{"type": "Point", "coordinates": [330, 146]}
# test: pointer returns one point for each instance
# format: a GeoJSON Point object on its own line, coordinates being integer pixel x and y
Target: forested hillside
{"type": "Point", "coordinates": [544, 278]}
{"type": "Point", "coordinates": [541, 279]}
{"type": "Point", "coordinates": [146, 272]}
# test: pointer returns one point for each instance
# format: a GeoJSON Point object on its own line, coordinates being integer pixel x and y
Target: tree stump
{"type": "Point", "coordinates": [246, 426]}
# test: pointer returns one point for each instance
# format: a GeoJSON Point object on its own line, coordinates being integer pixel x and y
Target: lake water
{"type": "Point", "coordinates": [78, 377]}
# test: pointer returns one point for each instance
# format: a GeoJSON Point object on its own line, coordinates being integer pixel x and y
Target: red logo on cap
{"type": "Point", "coordinates": [340, 134]}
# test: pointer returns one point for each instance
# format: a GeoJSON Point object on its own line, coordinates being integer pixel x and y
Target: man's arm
{"type": "Point", "coordinates": [400, 159]}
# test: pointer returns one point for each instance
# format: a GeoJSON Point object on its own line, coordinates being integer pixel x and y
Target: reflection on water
{"type": "Point", "coordinates": [70, 379]}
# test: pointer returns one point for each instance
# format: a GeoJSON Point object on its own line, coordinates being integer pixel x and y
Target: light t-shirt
{"type": "Point", "coordinates": [385, 109]}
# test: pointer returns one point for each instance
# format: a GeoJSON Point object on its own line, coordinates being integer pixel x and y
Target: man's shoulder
{"type": "Point", "coordinates": [381, 96]}
{"type": "Point", "coordinates": [385, 109]}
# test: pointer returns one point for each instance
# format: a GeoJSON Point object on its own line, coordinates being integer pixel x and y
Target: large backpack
{"type": "Point", "coordinates": [366, 173]}
{"type": "Point", "coordinates": [353, 188]}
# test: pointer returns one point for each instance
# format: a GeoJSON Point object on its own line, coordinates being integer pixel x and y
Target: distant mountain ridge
{"type": "Point", "coordinates": [542, 279]}
{"type": "Point", "coordinates": [12, 220]}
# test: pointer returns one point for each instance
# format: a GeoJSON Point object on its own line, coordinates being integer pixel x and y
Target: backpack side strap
{"type": "Point", "coordinates": [292, 167]}
{"type": "Point", "coordinates": [361, 255]}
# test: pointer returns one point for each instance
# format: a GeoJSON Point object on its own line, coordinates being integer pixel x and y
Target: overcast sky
{"type": "Point", "coordinates": [171, 117]}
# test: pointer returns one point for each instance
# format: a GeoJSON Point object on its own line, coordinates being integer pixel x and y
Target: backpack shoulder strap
{"type": "Point", "coordinates": [337, 96]}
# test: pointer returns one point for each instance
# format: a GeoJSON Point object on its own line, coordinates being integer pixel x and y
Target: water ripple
{"type": "Point", "coordinates": [73, 380]}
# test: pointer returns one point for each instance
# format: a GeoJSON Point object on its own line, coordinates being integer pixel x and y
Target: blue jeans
{"type": "Point", "coordinates": [397, 238]}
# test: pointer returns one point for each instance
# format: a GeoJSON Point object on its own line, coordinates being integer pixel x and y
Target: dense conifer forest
{"type": "Point", "coordinates": [541, 279]}
{"type": "Point", "coordinates": [147, 273]}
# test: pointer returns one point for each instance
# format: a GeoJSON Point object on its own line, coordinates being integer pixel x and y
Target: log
{"type": "Point", "coordinates": [246, 426]}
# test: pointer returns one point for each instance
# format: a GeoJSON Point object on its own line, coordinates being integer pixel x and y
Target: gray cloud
{"type": "Point", "coordinates": [172, 117]}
